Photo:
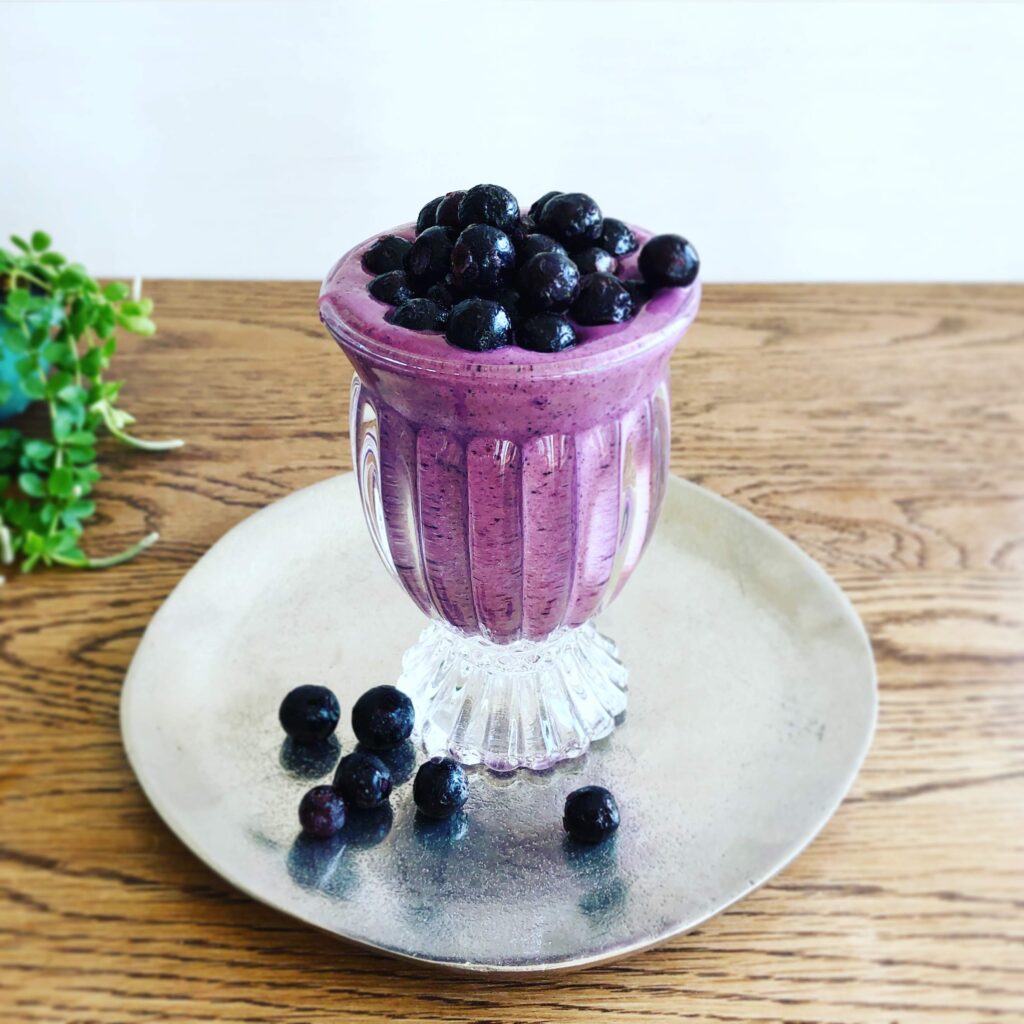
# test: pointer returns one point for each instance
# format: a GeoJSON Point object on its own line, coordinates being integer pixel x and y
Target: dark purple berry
{"type": "Point", "coordinates": [392, 287]}
{"type": "Point", "coordinates": [429, 257]}
{"type": "Point", "coordinates": [418, 315]}
{"type": "Point", "coordinates": [443, 294]}
{"type": "Point", "coordinates": [539, 205]}
{"type": "Point", "coordinates": [383, 717]}
{"type": "Point", "coordinates": [322, 812]}
{"type": "Point", "coordinates": [309, 714]}
{"type": "Point", "coordinates": [548, 281]}
{"type": "Point", "coordinates": [428, 215]}
{"type": "Point", "coordinates": [573, 218]}
{"type": "Point", "coordinates": [489, 204]}
{"type": "Point", "coordinates": [603, 299]}
{"type": "Point", "coordinates": [593, 260]}
{"type": "Point", "coordinates": [617, 237]}
{"type": "Point", "coordinates": [363, 779]}
{"type": "Point", "coordinates": [533, 244]}
{"type": "Point", "coordinates": [479, 325]}
{"type": "Point", "coordinates": [448, 209]}
{"type": "Point", "coordinates": [546, 332]}
{"type": "Point", "coordinates": [669, 261]}
{"type": "Point", "coordinates": [483, 259]}
{"type": "Point", "coordinates": [591, 814]}
{"type": "Point", "coordinates": [441, 787]}
{"type": "Point", "coordinates": [509, 299]}
{"type": "Point", "coordinates": [387, 253]}
{"type": "Point", "coordinates": [640, 290]}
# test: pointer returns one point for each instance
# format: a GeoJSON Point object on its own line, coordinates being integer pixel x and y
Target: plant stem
{"type": "Point", "coordinates": [105, 563]}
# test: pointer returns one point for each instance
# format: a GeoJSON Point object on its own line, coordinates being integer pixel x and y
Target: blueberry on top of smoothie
{"type": "Point", "coordinates": [392, 287]}
{"type": "Point", "coordinates": [669, 261]}
{"type": "Point", "coordinates": [448, 209]}
{"type": "Point", "coordinates": [535, 243]}
{"type": "Point", "coordinates": [539, 205]}
{"type": "Point", "coordinates": [573, 218]}
{"type": "Point", "coordinates": [489, 204]}
{"type": "Point", "coordinates": [309, 714]}
{"type": "Point", "coordinates": [419, 315]}
{"type": "Point", "coordinates": [594, 260]}
{"type": "Point", "coordinates": [603, 299]}
{"type": "Point", "coordinates": [441, 787]}
{"type": "Point", "coordinates": [428, 215]}
{"type": "Point", "coordinates": [591, 814]}
{"type": "Point", "coordinates": [479, 325]}
{"type": "Point", "coordinates": [429, 257]}
{"type": "Point", "coordinates": [617, 237]}
{"type": "Point", "coordinates": [386, 253]}
{"type": "Point", "coordinates": [546, 332]}
{"type": "Point", "coordinates": [482, 259]}
{"type": "Point", "coordinates": [549, 281]}
{"type": "Point", "coordinates": [383, 717]}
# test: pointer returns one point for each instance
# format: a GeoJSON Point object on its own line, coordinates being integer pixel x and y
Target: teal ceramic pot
{"type": "Point", "coordinates": [18, 400]}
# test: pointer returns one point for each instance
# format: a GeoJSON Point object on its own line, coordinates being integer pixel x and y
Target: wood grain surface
{"type": "Point", "coordinates": [881, 427]}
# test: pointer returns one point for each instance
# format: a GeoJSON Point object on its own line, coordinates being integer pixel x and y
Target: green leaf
{"type": "Point", "coordinates": [106, 320]}
{"type": "Point", "coordinates": [52, 259]}
{"type": "Point", "coordinates": [72, 394]}
{"type": "Point", "coordinates": [40, 241]}
{"type": "Point", "coordinates": [55, 352]}
{"type": "Point", "coordinates": [116, 290]}
{"type": "Point", "coordinates": [141, 325]}
{"type": "Point", "coordinates": [93, 362]}
{"type": "Point", "coordinates": [70, 278]}
{"type": "Point", "coordinates": [5, 392]}
{"type": "Point", "coordinates": [61, 482]}
{"type": "Point", "coordinates": [38, 449]}
{"type": "Point", "coordinates": [63, 425]}
{"type": "Point", "coordinates": [31, 484]}
{"type": "Point", "coordinates": [33, 387]}
{"type": "Point", "coordinates": [21, 243]}
{"type": "Point", "coordinates": [81, 438]}
{"type": "Point", "coordinates": [15, 341]}
{"type": "Point", "coordinates": [82, 455]}
{"type": "Point", "coordinates": [18, 300]}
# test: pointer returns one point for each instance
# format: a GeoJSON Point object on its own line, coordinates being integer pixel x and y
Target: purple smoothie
{"type": "Point", "coordinates": [513, 492]}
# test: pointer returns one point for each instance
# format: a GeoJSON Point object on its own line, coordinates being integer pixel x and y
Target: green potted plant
{"type": "Point", "coordinates": [57, 338]}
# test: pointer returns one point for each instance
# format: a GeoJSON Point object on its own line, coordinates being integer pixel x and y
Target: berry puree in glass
{"type": "Point", "coordinates": [513, 491]}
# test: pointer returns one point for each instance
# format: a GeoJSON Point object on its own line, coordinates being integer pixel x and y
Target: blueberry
{"type": "Point", "coordinates": [669, 261]}
{"type": "Point", "coordinates": [533, 244]}
{"type": "Point", "coordinates": [309, 714]}
{"type": "Point", "coordinates": [509, 300]}
{"type": "Point", "coordinates": [546, 332]}
{"type": "Point", "coordinates": [418, 315]}
{"type": "Point", "coordinates": [617, 237]}
{"type": "Point", "coordinates": [428, 215]}
{"type": "Point", "coordinates": [387, 253]}
{"type": "Point", "coordinates": [443, 294]}
{"type": "Point", "coordinates": [591, 814]}
{"type": "Point", "coordinates": [483, 259]}
{"type": "Point", "coordinates": [448, 209]}
{"type": "Point", "coordinates": [392, 287]}
{"type": "Point", "coordinates": [539, 205]}
{"type": "Point", "coordinates": [573, 218]}
{"type": "Point", "coordinates": [441, 787]}
{"type": "Point", "coordinates": [363, 780]}
{"type": "Point", "coordinates": [479, 325]}
{"type": "Point", "coordinates": [322, 812]}
{"type": "Point", "coordinates": [549, 281]}
{"type": "Point", "coordinates": [603, 299]}
{"type": "Point", "coordinates": [640, 290]}
{"type": "Point", "coordinates": [429, 257]}
{"type": "Point", "coordinates": [593, 260]}
{"type": "Point", "coordinates": [382, 718]}
{"type": "Point", "coordinates": [489, 204]}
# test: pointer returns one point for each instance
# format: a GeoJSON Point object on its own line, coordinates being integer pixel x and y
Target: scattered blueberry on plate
{"type": "Point", "coordinates": [441, 788]}
{"type": "Point", "coordinates": [474, 270]}
{"type": "Point", "coordinates": [591, 814]}
{"type": "Point", "coordinates": [309, 714]}
{"type": "Point", "coordinates": [363, 779]}
{"type": "Point", "coordinates": [322, 812]}
{"type": "Point", "coordinates": [382, 718]}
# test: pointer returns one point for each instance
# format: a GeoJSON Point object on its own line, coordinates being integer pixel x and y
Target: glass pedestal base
{"type": "Point", "coordinates": [528, 704]}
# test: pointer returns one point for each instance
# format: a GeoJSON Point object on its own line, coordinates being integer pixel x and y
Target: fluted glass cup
{"type": "Point", "coordinates": [511, 494]}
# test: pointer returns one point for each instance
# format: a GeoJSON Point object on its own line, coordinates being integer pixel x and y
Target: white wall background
{"type": "Point", "coordinates": [789, 141]}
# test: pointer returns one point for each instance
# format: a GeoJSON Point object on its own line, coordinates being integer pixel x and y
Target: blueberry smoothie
{"type": "Point", "coordinates": [510, 423]}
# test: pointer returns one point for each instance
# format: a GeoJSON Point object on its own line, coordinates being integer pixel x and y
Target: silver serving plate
{"type": "Point", "coordinates": [752, 704]}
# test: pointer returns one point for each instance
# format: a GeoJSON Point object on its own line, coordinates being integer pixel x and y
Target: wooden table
{"type": "Point", "coordinates": [881, 427]}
